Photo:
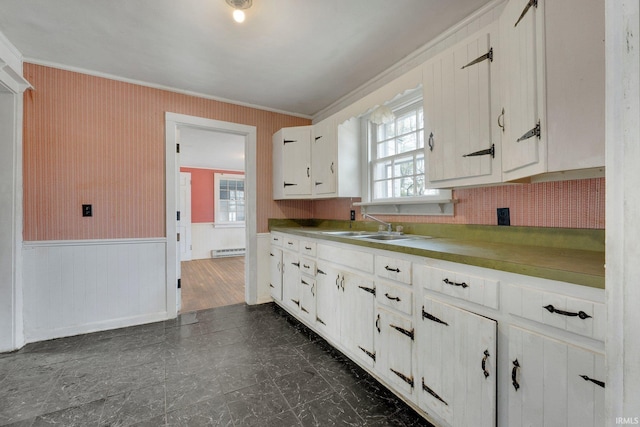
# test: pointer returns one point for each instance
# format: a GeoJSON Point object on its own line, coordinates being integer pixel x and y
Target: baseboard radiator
{"type": "Point", "coordinates": [220, 253]}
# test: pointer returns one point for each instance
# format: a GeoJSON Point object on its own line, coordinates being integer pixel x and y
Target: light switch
{"type": "Point", "coordinates": [87, 210]}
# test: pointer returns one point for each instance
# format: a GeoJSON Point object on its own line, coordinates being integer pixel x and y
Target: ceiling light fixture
{"type": "Point", "coordinates": [239, 6]}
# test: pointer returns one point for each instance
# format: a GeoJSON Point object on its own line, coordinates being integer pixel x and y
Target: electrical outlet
{"type": "Point", "coordinates": [503, 216]}
{"type": "Point", "coordinates": [352, 215]}
{"type": "Point", "coordinates": [87, 210]}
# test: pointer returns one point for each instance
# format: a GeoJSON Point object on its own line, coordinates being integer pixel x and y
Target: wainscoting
{"type": "Point", "coordinates": [74, 287]}
{"type": "Point", "coordinates": [205, 238]}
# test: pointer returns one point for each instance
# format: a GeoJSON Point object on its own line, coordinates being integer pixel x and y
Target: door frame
{"type": "Point", "coordinates": [172, 169]}
{"type": "Point", "coordinates": [183, 218]}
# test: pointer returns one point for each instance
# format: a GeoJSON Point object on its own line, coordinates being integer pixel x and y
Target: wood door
{"type": "Point", "coordinates": [521, 80]}
{"type": "Point", "coordinates": [291, 280]}
{"type": "Point", "coordinates": [184, 223]}
{"type": "Point", "coordinates": [553, 383]}
{"type": "Point", "coordinates": [458, 122]}
{"type": "Point", "coordinates": [328, 300]}
{"type": "Point", "coordinates": [324, 158]}
{"type": "Point", "coordinates": [308, 298]}
{"type": "Point", "coordinates": [457, 368]}
{"type": "Point", "coordinates": [394, 350]}
{"type": "Point", "coordinates": [358, 317]}
{"type": "Point", "coordinates": [297, 161]}
{"type": "Point", "coordinates": [275, 282]}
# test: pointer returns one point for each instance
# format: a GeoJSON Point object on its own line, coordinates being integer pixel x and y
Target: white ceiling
{"type": "Point", "coordinates": [201, 148]}
{"type": "Point", "coordinates": [296, 56]}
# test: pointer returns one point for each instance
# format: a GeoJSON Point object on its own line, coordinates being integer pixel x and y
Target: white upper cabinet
{"type": "Point", "coordinates": [553, 88]}
{"type": "Point", "coordinates": [316, 162]}
{"type": "Point", "coordinates": [292, 163]}
{"type": "Point", "coordinates": [324, 158]}
{"type": "Point", "coordinates": [462, 142]}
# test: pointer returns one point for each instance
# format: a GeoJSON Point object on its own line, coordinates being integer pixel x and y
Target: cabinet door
{"type": "Point", "coordinates": [328, 300]}
{"type": "Point", "coordinates": [457, 369]}
{"type": "Point", "coordinates": [458, 114]}
{"type": "Point", "coordinates": [394, 349]}
{"type": "Point", "coordinates": [275, 279]}
{"type": "Point", "coordinates": [308, 298]}
{"type": "Point", "coordinates": [291, 280]}
{"type": "Point", "coordinates": [553, 383]}
{"type": "Point", "coordinates": [324, 158]}
{"type": "Point", "coordinates": [296, 161]}
{"type": "Point", "coordinates": [358, 317]}
{"type": "Point", "coordinates": [521, 79]}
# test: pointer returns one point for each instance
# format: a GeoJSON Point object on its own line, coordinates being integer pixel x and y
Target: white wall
{"type": "Point", "coordinates": [12, 85]}
{"type": "Point", "coordinates": [623, 210]}
{"type": "Point", "coordinates": [264, 265]}
{"type": "Point", "coordinates": [74, 287]}
{"type": "Point", "coordinates": [205, 237]}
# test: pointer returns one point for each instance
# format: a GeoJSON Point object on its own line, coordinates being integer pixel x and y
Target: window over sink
{"type": "Point", "coordinates": [395, 158]}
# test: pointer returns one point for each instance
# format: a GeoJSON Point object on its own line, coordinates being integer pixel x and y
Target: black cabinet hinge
{"type": "Point", "coordinates": [488, 55]}
{"type": "Point", "coordinates": [403, 377]}
{"type": "Point", "coordinates": [368, 353]}
{"type": "Point", "coordinates": [370, 290]}
{"type": "Point", "coordinates": [429, 316]}
{"type": "Point", "coordinates": [403, 331]}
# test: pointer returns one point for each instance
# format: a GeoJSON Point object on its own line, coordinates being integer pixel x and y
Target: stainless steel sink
{"type": "Point", "coordinates": [390, 237]}
{"type": "Point", "coordinates": [348, 233]}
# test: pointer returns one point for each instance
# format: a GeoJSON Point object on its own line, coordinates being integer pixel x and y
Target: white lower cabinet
{"type": "Point", "coordinates": [456, 364]}
{"type": "Point", "coordinates": [291, 280]}
{"type": "Point", "coordinates": [357, 317]}
{"type": "Point", "coordinates": [554, 383]}
{"type": "Point", "coordinates": [275, 278]}
{"type": "Point", "coordinates": [429, 330]}
{"type": "Point", "coordinates": [308, 298]}
{"type": "Point", "coordinates": [328, 301]}
{"type": "Point", "coordinates": [345, 310]}
{"type": "Point", "coordinates": [394, 350]}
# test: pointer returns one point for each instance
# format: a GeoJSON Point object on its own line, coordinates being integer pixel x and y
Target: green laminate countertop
{"type": "Point", "coordinates": [567, 255]}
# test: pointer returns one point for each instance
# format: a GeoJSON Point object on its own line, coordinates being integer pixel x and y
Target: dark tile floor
{"type": "Point", "coordinates": [229, 366]}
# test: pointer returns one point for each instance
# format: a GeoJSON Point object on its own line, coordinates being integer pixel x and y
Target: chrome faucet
{"type": "Point", "coordinates": [387, 224]}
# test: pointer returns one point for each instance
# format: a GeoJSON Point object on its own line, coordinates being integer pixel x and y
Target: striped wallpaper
{"type": "Point", "coordinates": [566, 204]}
{"type": "Point", "coordinates": [91, 140]}
{"type": "Point", "coordinates": [99, 141]}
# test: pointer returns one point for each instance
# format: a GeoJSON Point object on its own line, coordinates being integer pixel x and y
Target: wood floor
{"type": "Point", "coordinates": [214, 282]}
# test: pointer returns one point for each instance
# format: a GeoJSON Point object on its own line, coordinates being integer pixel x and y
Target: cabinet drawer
{"type": "Point", "coordinates": [277, 239]}
{"type": "Point", "coordinates": [393, 268]}
{"type": "Point", "coordinates": [346, 256]}
{"type": "Point", "coordinates": [308, 266]}
{"type": "Point", "coordinates": [475, 289]}
{"type": "Point", "coordinates": [575, 315]}
{"type": "Point", "coordinates": [290, 243]}
{"type": "Point", "coordinates": [308, 248]}
{"type": "Point", "coordinates": [395, 297]}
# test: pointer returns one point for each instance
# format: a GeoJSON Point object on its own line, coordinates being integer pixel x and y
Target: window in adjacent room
{"type": "Point", "coordinates": [229, 199]}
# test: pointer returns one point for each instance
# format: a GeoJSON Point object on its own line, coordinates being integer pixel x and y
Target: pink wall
{"type": "Point", "coordinates": [566, 204]}
{"type": "Point", "coordinates": [202, 190]}
{"type": "Point", "coordinates": [93, 140]}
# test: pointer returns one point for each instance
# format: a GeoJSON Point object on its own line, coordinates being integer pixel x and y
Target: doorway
{"type": "Point", "coordinates": [176, 126]}
{"type": "Point", "coordinates": [212, 218]}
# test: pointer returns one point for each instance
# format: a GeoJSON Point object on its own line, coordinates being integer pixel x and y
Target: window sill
{"type": "Point", "coordinates": [435, 207]}
{"type": "Point", "coordinates": [228, 225]}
